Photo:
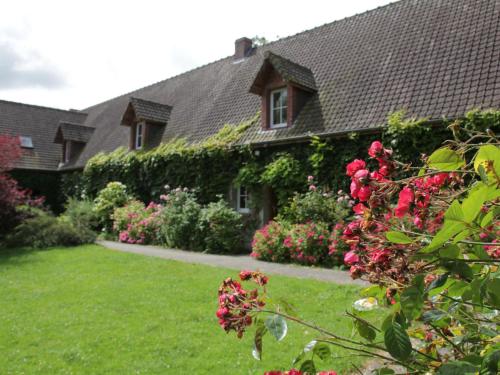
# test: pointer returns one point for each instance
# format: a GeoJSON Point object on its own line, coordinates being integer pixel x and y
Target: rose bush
{"type": "Point", "coordinates": [136, 223]}
{"type": "Point", "coordinates": [429, 244]}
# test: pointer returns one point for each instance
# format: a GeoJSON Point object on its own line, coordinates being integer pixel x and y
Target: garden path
{"type": "Point", "coordinates": [238, 262]}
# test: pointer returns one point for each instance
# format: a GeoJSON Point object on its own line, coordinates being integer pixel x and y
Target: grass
{"type": "Point", "coordinates": [88, 310]}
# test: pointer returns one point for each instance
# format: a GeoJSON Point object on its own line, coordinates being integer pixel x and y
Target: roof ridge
{"type": "Point", "coordinates": [45, 107]}
{"type": "Point", "coordinates": [393, 3]}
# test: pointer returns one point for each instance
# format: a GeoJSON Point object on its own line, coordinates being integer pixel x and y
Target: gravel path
{"type": "Point", "coordinates": [237, 262]}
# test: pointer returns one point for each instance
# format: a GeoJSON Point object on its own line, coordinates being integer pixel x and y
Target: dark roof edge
{"type": "Point", "coordinates": [396, 2]}
{"type": "Point", "coordinates": [44, 107]}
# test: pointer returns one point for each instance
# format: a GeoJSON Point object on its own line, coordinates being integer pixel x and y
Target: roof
{"type": "Point", "coordinates": [433, 58]}
{"type": "Point", "coordinates": [147, 110]}
{"type": "Point", "coordinates": [289, 71]}
{"type": "Point", "coordinates": [68, 131]}
{"type": "Point", "coordinates": [39, 123]}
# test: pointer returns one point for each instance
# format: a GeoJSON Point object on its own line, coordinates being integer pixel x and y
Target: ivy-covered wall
{"type": "Point", "coordinates": [210, 167]}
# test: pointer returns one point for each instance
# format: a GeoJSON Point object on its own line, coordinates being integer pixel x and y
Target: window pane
{"type": "Point", "coordinates": [276, 117]}
{"type": "Point", "coordinates": [276, 99]}
{"type": "Point", "coordinates": [283, 115]}
{"type": "Point", "coordinates": [243, 202]}
{"type": "Point", "coordinates": [283, 97]}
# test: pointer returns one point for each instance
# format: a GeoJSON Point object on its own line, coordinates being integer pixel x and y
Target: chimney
{"type": "Point", "coordinates": [242, 48]}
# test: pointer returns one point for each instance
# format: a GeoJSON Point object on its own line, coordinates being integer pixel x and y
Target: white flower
{"type": "Point", "coordinates": [365, 304]}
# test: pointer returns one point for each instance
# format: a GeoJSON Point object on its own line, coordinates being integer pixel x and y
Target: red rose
{"type": "Point", "coordinates": [355, 166]}
{"type": "Point", "coordinates": [364, 193]}
{"type": "Point", "coordinates": [406, 197]}
{"type": "Point", "coordinates": [361, 175]}
{"type": "Point", "coordinates": [375, 149]}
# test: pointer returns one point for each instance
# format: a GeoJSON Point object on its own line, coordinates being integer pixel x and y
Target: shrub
{"type": "Point", "coordinates": [45, 230]}
{"type": "Point", "coordinates": [81, 214]}
{"type": "Point", "coordinates": [268, 242]}
{"type": "Point", "coordinates": [309, 243]}
{"type": "Point", "coordinates": [179, 220]}
{"type": "Point", "coordinates": [114, 195]}
{"type": "Point", "coordinates": [220, 228]}
{"type": "Point", "coordinates": [316, 205]}
{"type": "Point", "coordinates": [136, 223]}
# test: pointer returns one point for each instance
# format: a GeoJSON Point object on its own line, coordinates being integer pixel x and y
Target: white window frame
{"type": "Point", "coordinates": [139, 141]}
{"type": "Point", "coordinates": [246, 196]}
{"type": "Point", "coordinates": [272, 125]}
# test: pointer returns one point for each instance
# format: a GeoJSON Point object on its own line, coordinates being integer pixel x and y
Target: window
{"type": "Point", "coordinates": [138, 136]}
{"type": "Point", "coordinates": [67, 151]}
{"type": "Point", "coordinates": [243, 198]}
{"type": "Point", "coordinates": [279, 108]}
{"type": "Point", "coordinates": [26, 142]}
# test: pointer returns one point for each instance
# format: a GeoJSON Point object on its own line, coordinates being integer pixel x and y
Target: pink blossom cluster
{"type": "Point", "coordinates": [236, 304]}
{"type": "Point", "coordinates": [141, 226]}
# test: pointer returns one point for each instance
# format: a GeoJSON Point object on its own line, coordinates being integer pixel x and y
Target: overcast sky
{"type": "Point", "coordinates": [73, 54]}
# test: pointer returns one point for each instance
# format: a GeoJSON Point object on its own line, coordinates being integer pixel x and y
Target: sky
{"type": "Point", "coordinates": [74, 53]}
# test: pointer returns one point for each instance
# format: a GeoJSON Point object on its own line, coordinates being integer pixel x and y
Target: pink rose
{"type": "Point", "coordinates": [375, 149]}
{"type": "Point", "coordinates": [351, 258]}
{"type": "Point", "coordinates": [355, 166]}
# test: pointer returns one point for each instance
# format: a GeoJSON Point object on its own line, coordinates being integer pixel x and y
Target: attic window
{"type": "Point", "coordinates": [279, 107]}
{"type": "Point", "coordinates": [26, 142]}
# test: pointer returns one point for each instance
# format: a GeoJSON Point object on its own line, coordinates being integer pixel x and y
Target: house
{"type": "Point", "coordinates": [433, 58]}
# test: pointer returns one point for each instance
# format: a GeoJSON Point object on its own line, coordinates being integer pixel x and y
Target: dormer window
{"type": "Point", "coordinates": [147, 121]}
{"type": "Point", "coordinates": [284, 87]}
{"type": "Point", "coordinates": [73, 138]}
{"type": "Point", "coordinates": [138, 135]}
{"type": "Point", "coordinates": [279, 108]}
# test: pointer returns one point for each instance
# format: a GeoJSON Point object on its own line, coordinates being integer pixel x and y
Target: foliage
{"type": "Point", "coordinates": [114, 195]}
{"type": "Point", "coordinates": [136, 223]}
{"type": "Point", "coordinates": [433, 258]}
{"type": "Point", "coordinates": [316, 205]}
{"type": "Point", "coordinates": [220, 229]}
{"type": "Point", "coordinates": [65, 298]}
{"type": "Point", "coordinates": [284, 175]}
{"type": "Point", "coordinates": [179, 220]}
{"type": "Point", "coordinates": [208, 166]}
{"type": "Point", "coordinates": [81, 214]}
{"type": "Point", "coordinates": [259, 41]}
{"type": "Point", "coordinates": [43, 230]}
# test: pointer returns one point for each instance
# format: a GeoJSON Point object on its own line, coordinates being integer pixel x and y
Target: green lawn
{"type": "Point", "coordinates": [95, 311]}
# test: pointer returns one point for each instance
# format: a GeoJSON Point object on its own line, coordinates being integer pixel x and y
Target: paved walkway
{"type": "Point", "coordinates": [238, 262]}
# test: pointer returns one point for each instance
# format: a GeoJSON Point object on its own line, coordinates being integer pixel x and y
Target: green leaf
{"type": "Point", "coordinates": [276, 324]}
{"type": "Point", "coordinates": [384, 371]}
{"type": "Point", "coordinates": [445, 159]}
{"type": "Point", "coordinates": [439, 282]}
{"type": "Point", "coordinates": [412, 302]}
{"type": "Point", "coordinates": [494, 292]}
{"type": "Point", "coordinates": [457, 288]}
{"type": "Point", "coordinates": [488, 153]}
{"type": "Point", "coordinates": [458, 267]}
{"type": "Point", "coordinates": [322, 350]}
{"type": "Point", "coordinates": [457, 368]}
{"type": "Point", "coordinates": [398, 237]}
{"type": "Point", "coordinates": [471, 206]}
{"type": "Point", "coordinates": [257, 341]}
{"type": "Point", "coordinates": [491, 364]}
{"type": "Point", "coordinates": [449, 252]}
{"type": "Point", "coordinates": [436, 317]}
{"type": "Point", "coordinates": [482, 173]}
{"type": "Point", "coordinates": [447, 231]}
{"type": "Point", "coordinates": [397, 341]}
{"type": "Point", "coordinates": [488, 218]}
{"type": "Point", "coordinates": [454, 212]}
{"type": "Point", "coordinates": [365, 330]}
{"type": "Point", "coordinates": [308, 367]}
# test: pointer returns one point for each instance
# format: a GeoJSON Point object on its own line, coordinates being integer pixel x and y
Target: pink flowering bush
{"type": "Point", "coordinates": [136, 223]}
{"type": "Point", "coordinates": [269, 242]}
{"type": "Point", "coordinates": [309, 243]}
